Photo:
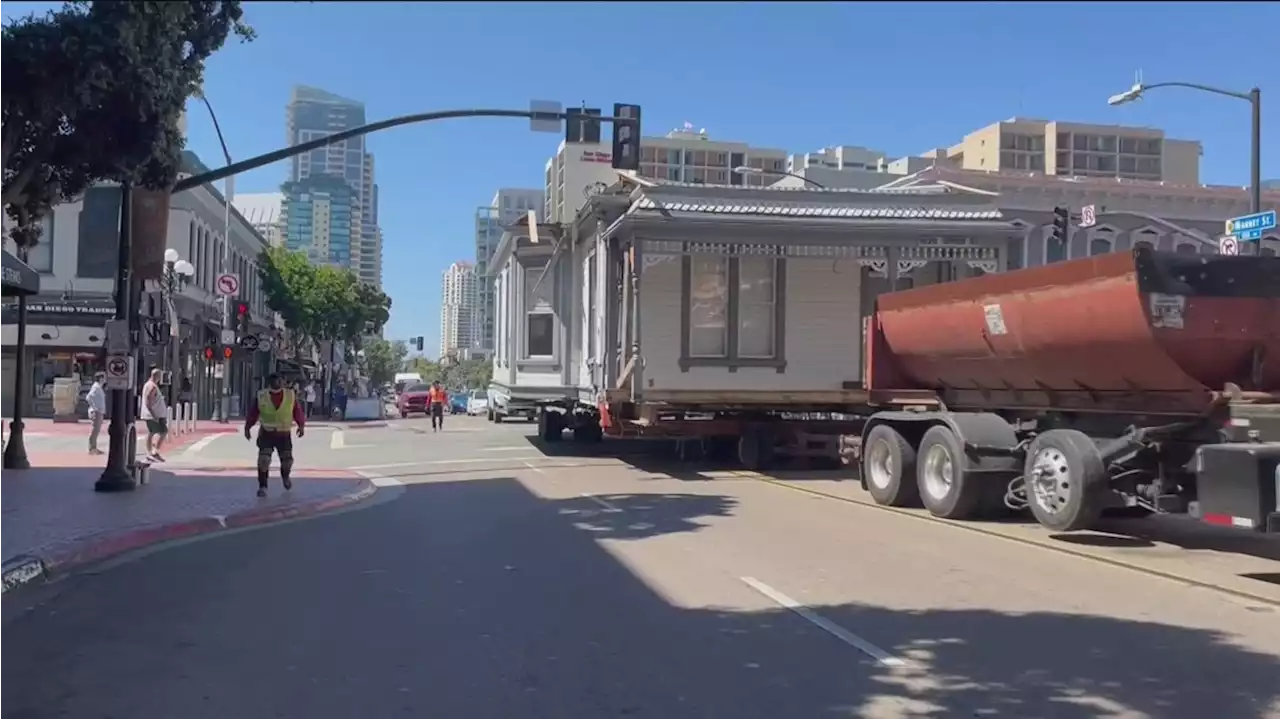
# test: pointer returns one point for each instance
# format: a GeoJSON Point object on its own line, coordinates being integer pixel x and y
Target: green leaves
{"type": "Point", "coordinates": [94, 91]}
{"type": "Point", "coordinates": [383, 359]}
{"type": "Point", "coordinates": [321, 302]}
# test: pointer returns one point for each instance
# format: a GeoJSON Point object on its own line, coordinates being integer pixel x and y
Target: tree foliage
{"type": "Point", "coordinates": [321, 302]}
{"type": "Point", "coordinates": [93, 91]}
{"type": "Point", "coordinates": [383, 359]}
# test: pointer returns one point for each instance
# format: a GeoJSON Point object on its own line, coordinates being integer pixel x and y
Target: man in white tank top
{"type": "Point", "coordinates": [156, 414]}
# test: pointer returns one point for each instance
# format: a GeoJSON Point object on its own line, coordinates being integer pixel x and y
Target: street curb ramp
{"type": "Point", "coordinates": [90, 549]}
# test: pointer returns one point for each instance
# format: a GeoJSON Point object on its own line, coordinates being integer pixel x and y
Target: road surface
{"type": "Point", "coordinates": [487, 580]}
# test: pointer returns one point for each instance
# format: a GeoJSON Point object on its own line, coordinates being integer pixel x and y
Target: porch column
{"type": "Point", "coordinates": [891, 255]}
{"type": "Point", "coordinates": [637, 370]}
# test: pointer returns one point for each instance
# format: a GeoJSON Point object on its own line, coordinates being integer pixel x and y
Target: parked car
{"type": "Point", "coordinates": [413, 399]}
{"type": "Point", "coordinates": [458, 402]}
{"type": "Point", "coordinates": [477, 403]}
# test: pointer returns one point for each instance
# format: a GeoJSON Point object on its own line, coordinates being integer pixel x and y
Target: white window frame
{"type": "Point", "coordinates": [529, 276]}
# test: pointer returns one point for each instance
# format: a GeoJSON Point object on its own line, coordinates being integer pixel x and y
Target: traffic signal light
{"type": "Point", "coordinates": [626, 138]}
{"type": "Point", "coordinates": [582, 125]}
{"type": "Point", "coordinates": [1061, 224]}
{"type": "Point", "coordinates": [421, 343]}
{"type": "Point", "coordinates": [226, 352]}
{"type": "Point", "coordinates": [242, 318]}
{"type": "Point", "coordinates": [208, 353]}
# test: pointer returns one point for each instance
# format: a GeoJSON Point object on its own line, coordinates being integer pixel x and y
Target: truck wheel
{"type": "Point", "coordinates": [755, 449]}
{"type": "Point", "coordinates": [550, 426]}
{"type": "Point", "coordinates": [948, 488]}
{"type": "Point", "coordinates": [889, 468]}
{"type": "Point", "coordinates": [588, 430]}
{"type": "Point", "coordinates": [1066, 480]}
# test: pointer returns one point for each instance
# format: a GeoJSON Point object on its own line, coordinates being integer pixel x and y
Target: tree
{"type": "Point", "coordinates": [471, 374]}
{"type": "Point", "coordinates": [383, 359]}
{"type": "Point", "coordinates": [321, 302]}
{"type": "Point", "coordinates": [94, 91]}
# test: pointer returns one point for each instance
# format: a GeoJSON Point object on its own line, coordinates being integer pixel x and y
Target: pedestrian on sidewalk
{"type": "Point", "coordinates": [310, 398]}
{"type": "Point", "coordinates": [276, 410]}
{"type": "Point", "coordinates": [96, 398]}
{"type": "Point", "coordinates": [155, 412]}
{"type": "Point", "coordinates": [437, 399]}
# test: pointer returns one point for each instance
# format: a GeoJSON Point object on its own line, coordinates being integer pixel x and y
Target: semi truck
{"type": "Point", "coordinates": [1126, 383]}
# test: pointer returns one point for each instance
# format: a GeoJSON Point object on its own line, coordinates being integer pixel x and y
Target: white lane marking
{"type": "Point", "coordinates": [530, 466]}
{"type": "Point", "coordinates": [469, 460]}
{"type": "Point", "coordinates": [505, 449]}
{"type": "Point", "coordinates": [380, 481]}
{"type": "Point", "coordinates": [338, 439]}
{"type": "Point", "coordinates": [826, 625]}
{"type": "Point", "coordinates": [200, 444]}
{"type": "Point", "coordinates": [607, 506]}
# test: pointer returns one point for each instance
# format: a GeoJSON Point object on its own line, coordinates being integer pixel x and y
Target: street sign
{"type": "Point", "coordinates": [264, 342]}
{"type": "Point", "coordinates": [117, 332]}
{"type": "Point", "coordinates": [228, 337]}
{"type": "Point", "coordinates": [1251, 227]}
{"type": "Point", "coordinates": [1088, 216]}
{"type": "Point", "coordinates": [228, 284]}
{"type": "Point", "coordinates": [119, 371]}
{"type": "Point", "coordinates": [1228, 245]}
{"type": "Point", "coordinates": [546, 115]}
{"type": "Point", "coordinates": [249, 342]}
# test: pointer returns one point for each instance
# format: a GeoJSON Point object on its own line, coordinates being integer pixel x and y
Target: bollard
{"type": "Point", "coordinates": [195, 416]}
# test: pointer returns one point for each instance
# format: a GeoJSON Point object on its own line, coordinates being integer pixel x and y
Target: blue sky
{"type": "Point", "coordinates": [901, 77]}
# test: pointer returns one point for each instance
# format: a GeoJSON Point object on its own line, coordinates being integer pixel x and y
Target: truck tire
{"type": "Point", "coordinates": [588, 430]}
{"type": "Point", "coordinates": [550, 426]}
{"type": "Point", "coordinates": [948, 487]}
{"type": "Point", "coordinates": [755, 449]}
{"type": "Point", "coordinates": [889, 468]}
{"type": "Point", "coordinates": [1066, 480]}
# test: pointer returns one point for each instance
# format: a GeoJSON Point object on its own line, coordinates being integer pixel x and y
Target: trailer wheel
{"type": "Point", "coordinates": [889, 467]}
{"type": "Point", "coordinates": [1066, 480]}
{"type": "Point", "coordinates": [550, 426]}
{"type": "Point", "coordinates": [948, 487]}
{"type": "Point", "coordinates": [588, 430]}
{"type": "Point", "coordinates": [755, 449]}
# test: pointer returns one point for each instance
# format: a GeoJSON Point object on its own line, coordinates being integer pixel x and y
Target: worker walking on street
{"type": "Point", "coordinates": [277, 411]}
{"type": "Point", "coordinates": [437, 399]}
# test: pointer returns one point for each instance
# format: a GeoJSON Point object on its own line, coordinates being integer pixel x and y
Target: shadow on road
{"type": "Point", "coordinates": [480, 599]}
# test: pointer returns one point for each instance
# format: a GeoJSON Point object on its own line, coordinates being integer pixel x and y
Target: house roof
{"type": "Point", "coordinates": [886, 211]}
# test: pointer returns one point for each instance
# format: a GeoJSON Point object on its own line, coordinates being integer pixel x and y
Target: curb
{"type": "Point", "coordinates": [361, 423]}
{"type": "Point", "coordinates": [25, 569]}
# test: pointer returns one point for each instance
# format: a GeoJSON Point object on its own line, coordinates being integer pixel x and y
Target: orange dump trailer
{"type": "Point", "coordinates": [1133, 382]}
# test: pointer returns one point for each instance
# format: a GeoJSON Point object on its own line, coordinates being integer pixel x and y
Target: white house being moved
{"type": "Point", "coordinates": [679, 309]}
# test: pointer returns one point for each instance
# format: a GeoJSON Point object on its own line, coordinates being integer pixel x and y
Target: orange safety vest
{"type": "Point", "coordinates": [436, 396]}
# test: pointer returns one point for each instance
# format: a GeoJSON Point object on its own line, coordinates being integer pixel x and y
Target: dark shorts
{"type": "Point", "coordinates": [157, 426]}
{"type": "Point", "coordinates": [281, 442]}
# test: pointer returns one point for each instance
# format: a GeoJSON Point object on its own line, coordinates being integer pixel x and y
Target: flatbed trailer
{"type": "Point", "coordinates": [1136, 383]}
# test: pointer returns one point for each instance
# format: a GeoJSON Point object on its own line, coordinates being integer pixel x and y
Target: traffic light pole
{"type": "Point", "coordinates": [222, 410]}
{"type": "Point", "coordinates": [118, 474]}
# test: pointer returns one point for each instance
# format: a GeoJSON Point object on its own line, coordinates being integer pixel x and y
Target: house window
{"type": "Point", "coordinates": [709, 307]}
{"type": "Point", "coordinates": [757, 297]}
{"type": "Point", "coordinates": [733, 312]}
{"type": "Point", "coordinates": [539, 313]}
{"type": "Point", "coordinates": [1187, 248]}
{"type": "Point", "coordinates": [1100, 246]}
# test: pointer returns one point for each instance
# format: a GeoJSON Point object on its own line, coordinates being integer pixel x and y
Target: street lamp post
{"type": "Point", "coordinates": [744, 170]}
{"type": "Point", "coordinates": [222, 409]}
{"type": "Point", "coordinates": [15, 451]}
{"type": "Point", "coordinates": [1253, 97]}
{"type": "Point", "coordinates": [177, 273]}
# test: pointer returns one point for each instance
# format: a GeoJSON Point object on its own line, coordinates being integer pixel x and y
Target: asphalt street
{"type": "Point", "coordinates": [489, 580]}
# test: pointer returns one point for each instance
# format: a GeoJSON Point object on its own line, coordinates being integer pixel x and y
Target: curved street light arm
{"type": "Point", "coordinates": [287, 152]}
{"type": "Point", "coordinates": [1248, 96]}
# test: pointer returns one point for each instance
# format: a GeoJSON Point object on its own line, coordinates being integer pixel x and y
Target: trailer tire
{"type": "Point", "coordinates": [889, 468]}
{"type": "Point", "coordinates": [755, 449]}
{"type": "Point", "coordinates": [1066, 480]}
{"type": "Point", "coordinates": [550, 426]}
{"type": "Point", "coordinates": [588, 430]}
{"type": "Point", "coordinates": [949, 488]}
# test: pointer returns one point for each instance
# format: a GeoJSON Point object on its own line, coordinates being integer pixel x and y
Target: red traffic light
{"type": "Point", "coordinates": [208, 353]}
{"type": "Point", "coordinates": [226, 352]}
{"type": "Point", "coordinates": [242, 309]}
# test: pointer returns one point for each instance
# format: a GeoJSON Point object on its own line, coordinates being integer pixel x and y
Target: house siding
{"type": "Point", "coordinates": [822, 331]}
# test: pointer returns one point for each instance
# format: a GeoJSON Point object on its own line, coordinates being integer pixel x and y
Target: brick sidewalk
{"type": "Point", "coordinates": [53, 521]}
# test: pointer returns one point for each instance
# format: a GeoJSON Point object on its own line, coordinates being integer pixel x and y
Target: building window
{"type": "Point", "coordinates": [1186, 248]}
{"type": "Point", "coordinates": [539, 313]}
{"type": "Point", "coordinates": [1100, 246]}
{"type": "Point", "coordinates": [40, 257]}
{"type": "Point", "coordinates": [1054, 250]}
{"type": "Point", "coordinates": [540, 335]}
{"type": "Point", "coordinates": [757, 297]}
{"type": "Point", "coordinates": [733, 312]}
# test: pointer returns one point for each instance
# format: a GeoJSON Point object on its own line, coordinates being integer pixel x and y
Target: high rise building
{"type": "Point", "coordinates": [313, 113]}
{"type": "Point", "coordinates": [321, 219]}
{"type": "Point", "coordinates": [1075, 149]}
{"type": "Point", "coordinates": [458, 311]}
{"type": "Point", "coordinates": [507, 207]}
{"type": "Point", "coordinates": [263, 210]}
{"type": "Point", "coordinates": [688, 155]}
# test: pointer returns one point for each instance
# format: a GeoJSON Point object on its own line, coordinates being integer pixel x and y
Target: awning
{"type": "Point", "coordinates": [19, 279]}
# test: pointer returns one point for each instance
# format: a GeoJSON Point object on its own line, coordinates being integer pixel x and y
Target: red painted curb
{"type": "Point", "coordinates": [94, 549]}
